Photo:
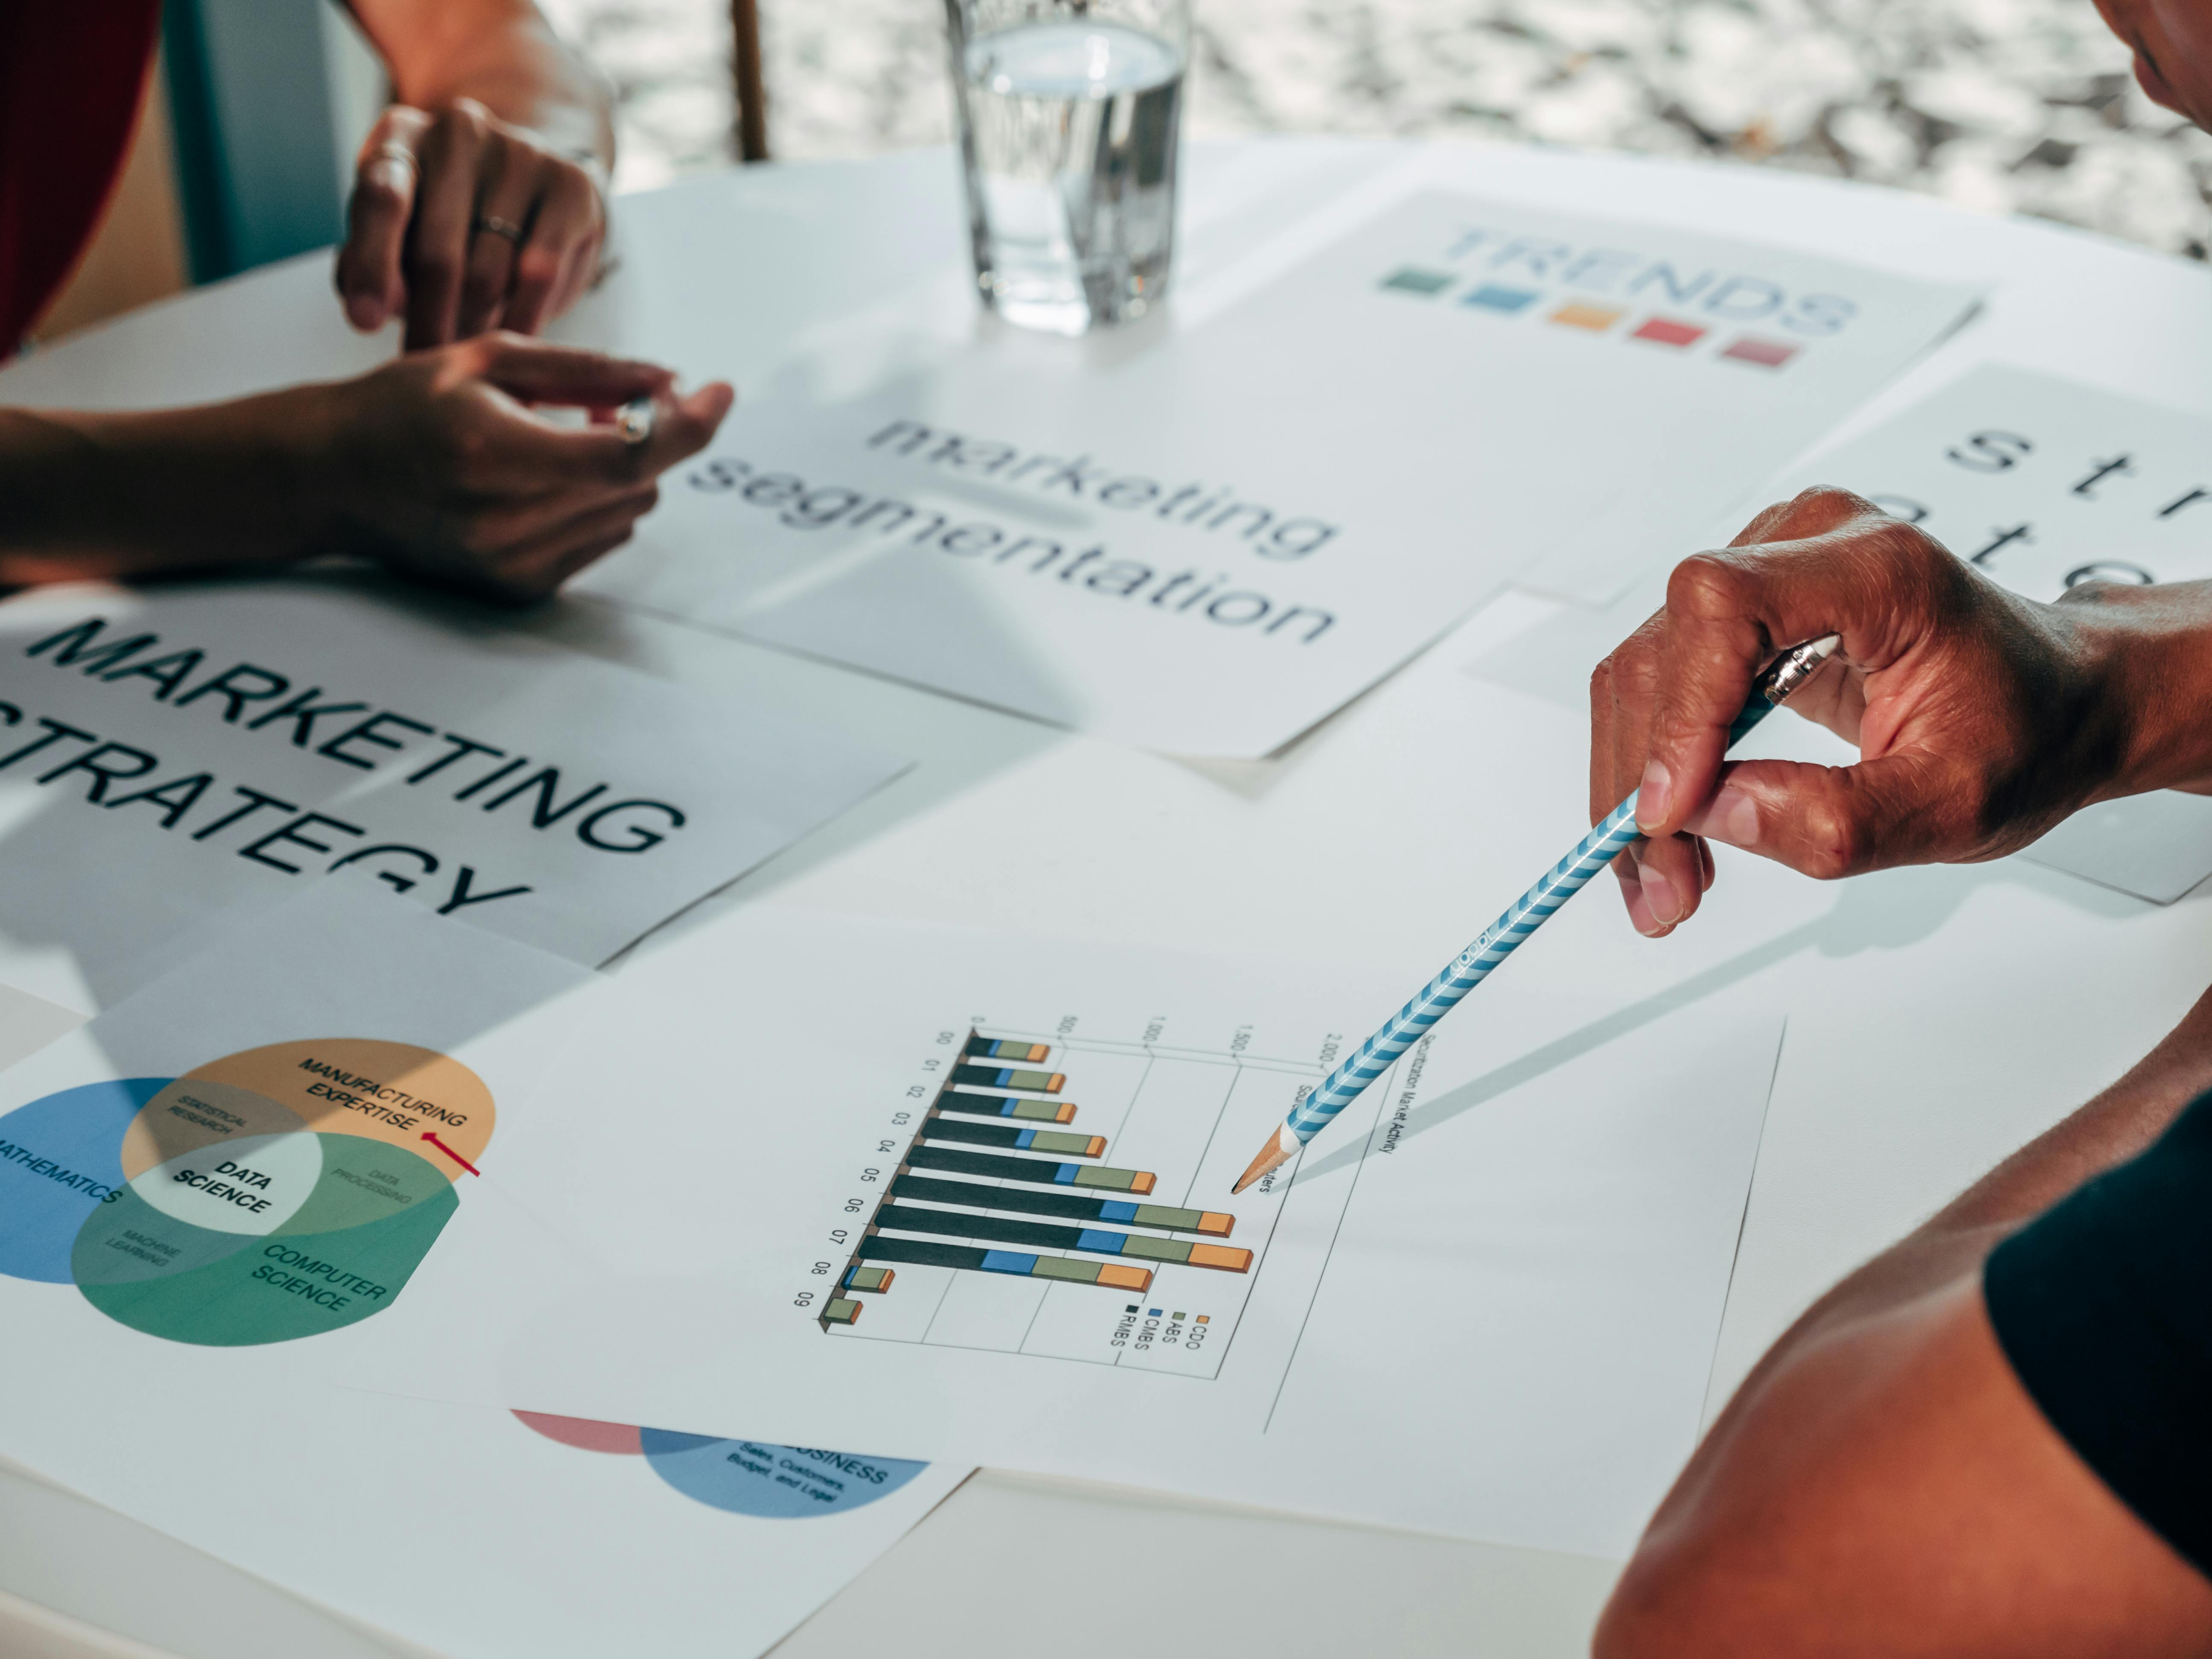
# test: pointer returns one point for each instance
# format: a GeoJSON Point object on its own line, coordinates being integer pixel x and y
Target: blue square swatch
{"type": "Point", "coordinates": [1493, 298]}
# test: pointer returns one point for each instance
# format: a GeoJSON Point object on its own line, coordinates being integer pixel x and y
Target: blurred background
{"type": "Point", "coordinates": [1999, 106]}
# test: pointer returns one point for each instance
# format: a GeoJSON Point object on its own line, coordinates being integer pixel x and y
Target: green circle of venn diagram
{"type": "Point", "coordinates": [283, 1192]}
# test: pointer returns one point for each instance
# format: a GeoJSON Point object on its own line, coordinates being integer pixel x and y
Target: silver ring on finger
{"type": "Point", "coordinates": [498, 227]}
{"type": "Point", "coordinates": [636, 419]}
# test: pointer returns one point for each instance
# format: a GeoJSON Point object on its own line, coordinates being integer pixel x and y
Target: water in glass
{"type": "Point", "coordinates": [1068, 132]}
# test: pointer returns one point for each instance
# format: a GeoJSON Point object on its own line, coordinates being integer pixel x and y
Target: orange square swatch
{"type": "Point", "coordinates": [1597, 319]}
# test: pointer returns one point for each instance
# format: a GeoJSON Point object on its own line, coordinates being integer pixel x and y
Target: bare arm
{"type": "Point", "coordinates": [479, 197]}
{"type": "Point", "coordinates": [1882, 1484]}
{"type": "Point", "coordinates": [438, 463]}
{"type": "Point", "coordinates": [500, 52]}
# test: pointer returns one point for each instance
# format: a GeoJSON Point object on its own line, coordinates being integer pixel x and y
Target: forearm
{"type": "Point", "coordinates": [121, 494]}
{"type": "Point", "coordinates": [1947, 1253]}
{"type": "Point", "coordinates": [502, 54]}
{"type": "Point", "coordinates": [2153, 651]}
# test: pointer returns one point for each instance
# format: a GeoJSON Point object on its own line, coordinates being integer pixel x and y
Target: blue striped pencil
{"type": "Point", "coordinates": [1785, 675]}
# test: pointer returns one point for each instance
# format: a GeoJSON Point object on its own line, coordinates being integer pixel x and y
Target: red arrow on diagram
{"type": "Point", "coordinates": [431, 1136]}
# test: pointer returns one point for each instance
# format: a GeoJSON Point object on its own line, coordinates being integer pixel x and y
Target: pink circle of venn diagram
{"type": "Point", "coordinates": [283, 1191]}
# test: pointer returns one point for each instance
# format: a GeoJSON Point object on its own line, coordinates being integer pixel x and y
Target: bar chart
{"type": "Point", "coordinates": [1045, 1202]}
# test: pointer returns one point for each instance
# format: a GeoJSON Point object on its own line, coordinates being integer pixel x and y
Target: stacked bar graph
{"type": "Point", "coordinates": [982, 1187]}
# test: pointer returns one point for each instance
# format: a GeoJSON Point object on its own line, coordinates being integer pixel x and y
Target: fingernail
{"type": "Point", "coordinates": [1654, 794]}
{"type": "Point", "coordinates": [364, 312]}
{"type": "Point", "coordinates": [1731, 817]}
{"type": "Point", "coordinates": [1659, 893]}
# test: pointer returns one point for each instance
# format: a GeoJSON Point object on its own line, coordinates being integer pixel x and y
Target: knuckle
{"type": "Point", "coordinates": [1826, 501]}
{"type": "Point", "coordinates": [376, 193]}
{"type": "Point", "coordinates": [1820, 511]}
{"type": "Point", "coordinates": [471, 446]}
{"type": "Point", "coordinates": [1834, 842]}
{"type": "Point", "coordinates": [539, 265]}
{"type": "Point", "coordinates": [467, 115]}
{"type": "Point", "coordinates": [1707, 586]}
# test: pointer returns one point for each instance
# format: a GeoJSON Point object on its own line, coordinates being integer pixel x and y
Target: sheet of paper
{"type": "Point", "coordinates": [1205, 540]}
{"type": "Point", "coordinates": [171, 754]}
{"type": "Point", "coordinates": [968, 1196]}
{"type": "Point", "coordinates": [2042, 484]}
{"type": "Point", "coordinates": [227, 1173]}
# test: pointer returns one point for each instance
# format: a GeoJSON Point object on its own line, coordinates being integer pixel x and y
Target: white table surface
{"type": "Point", "coordinates": [1936, 1018]}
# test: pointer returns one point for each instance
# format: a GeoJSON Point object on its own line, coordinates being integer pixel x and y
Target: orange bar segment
{"type": "Point", "coordinates": [1125, 1278]}
{"type": "Point", "coordinates": [1224, 1256]}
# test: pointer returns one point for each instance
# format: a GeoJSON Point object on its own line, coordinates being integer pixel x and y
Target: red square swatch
{"type": "Point", "coordinates": [1768, 353]}
{"type": "Point", "coordinates": [1662, 332]}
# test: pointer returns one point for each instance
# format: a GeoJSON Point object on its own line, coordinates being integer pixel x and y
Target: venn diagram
{"type": "Point", "coordinates": [274, 1193]}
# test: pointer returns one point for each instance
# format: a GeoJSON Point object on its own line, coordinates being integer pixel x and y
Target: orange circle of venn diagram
{"type": "Point", "coordinates": [283, 1191]}
{"type": "Point", "coordinates": [388, 1091]}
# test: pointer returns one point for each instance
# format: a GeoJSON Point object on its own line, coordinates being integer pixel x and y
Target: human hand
{"type": "Point", "coordinates": [465, 223]}
{"type": "Point", "coordinates": [436, 464]}
{"type": "Point", "coordinates": [1982, 719]}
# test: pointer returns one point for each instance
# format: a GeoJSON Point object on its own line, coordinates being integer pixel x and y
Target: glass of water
{"type": "Point", "coordinates": [1069, 112]}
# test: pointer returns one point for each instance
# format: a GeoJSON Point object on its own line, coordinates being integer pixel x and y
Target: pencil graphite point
{"type": "Point", "coordinates": [1280, 1147]}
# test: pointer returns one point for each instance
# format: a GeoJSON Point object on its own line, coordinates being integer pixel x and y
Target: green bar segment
{"type": "Point", "coordinates": [1063, 1266]}
{"type": "Point", "coordinates": [1122, 1180]}
{"type": "Point", "coordinates": [1157, 1249]}
{"type": "Point", "coordinates": [1070, 1145]}
{"type": "Point", "coordinates": [1163, 1215]}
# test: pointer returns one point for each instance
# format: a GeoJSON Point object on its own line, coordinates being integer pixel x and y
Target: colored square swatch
{"type": "Point", "coordinates": [1597, 318]}
{"type": "Point", "coordinates": [1767, 354]}
{"type": "Point", "coordinates": [1413, 279]}
{"type": "Point", "coordinates": [1662, 330]}
{"type": "Point", "coordinates": [1490, 297]}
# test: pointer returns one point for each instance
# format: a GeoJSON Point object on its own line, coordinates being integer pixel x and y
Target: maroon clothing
{"type": "Point", "coordinates": [71, 74]}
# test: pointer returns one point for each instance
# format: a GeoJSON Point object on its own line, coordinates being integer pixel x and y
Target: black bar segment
{"type": "Point", "coordinates": [1045, 1170]}
{"type": "Point", "coordinates": [1069, 1207]}
{"type": "Point", "coordinates": [1035, 1234]}
{"type": "Point", "coordinates": [922, 1252]}
{"type": "Point", "coordinates": [975, 1134]}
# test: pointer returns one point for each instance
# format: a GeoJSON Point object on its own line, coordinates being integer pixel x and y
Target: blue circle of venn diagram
{"type": "Point", "coordinates": [749, 1477]}
{"type": "Point", "coordinates": [61, 1158]}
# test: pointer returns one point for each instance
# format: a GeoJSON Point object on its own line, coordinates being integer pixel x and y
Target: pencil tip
{"type": "Point", "coordinates": [1273, 1156]}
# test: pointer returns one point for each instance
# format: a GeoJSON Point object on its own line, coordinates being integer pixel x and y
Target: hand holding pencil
{"type": "Point", "coordinates": [1615, 830]}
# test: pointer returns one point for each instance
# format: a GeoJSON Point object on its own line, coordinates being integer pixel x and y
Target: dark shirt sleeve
{"type": "Point", "coordinates": [2103, 1306]}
